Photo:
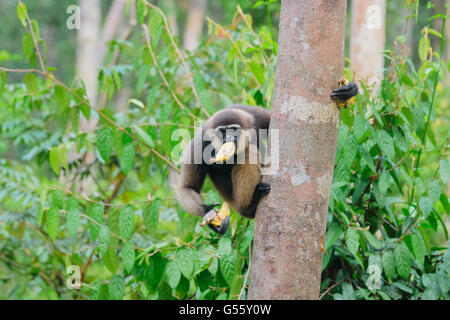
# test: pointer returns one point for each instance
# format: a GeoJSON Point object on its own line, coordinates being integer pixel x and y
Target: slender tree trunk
{"type": "Point", "coordinates": [172, 16]}
{"type": "Point", "coordinates": [291, 220]}
{"type": "Point", "coordinates": [87, 46]}
{"type": "Point", "coordinates": [92, 43]}
{"type": "Point", "coordinates": [194, 25]}
{"type": "Point", "coordinates": [113, 21]}
{"type": "Point", "coordinates": [367, 39]}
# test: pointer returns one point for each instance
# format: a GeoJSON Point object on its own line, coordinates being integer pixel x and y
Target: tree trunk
{"type": "Point", "coordinates": [87, 46]}
{"type": "Point", "coordinates": [194, 25]}
{"type": "Point", "coordinates": [92, 46]}
{"type": "Point", "coordinates": [171, 8]}
{"type": "Point", "coordinates": [292, 219]}
{"type": "Point", "coordinates": [367, 40]}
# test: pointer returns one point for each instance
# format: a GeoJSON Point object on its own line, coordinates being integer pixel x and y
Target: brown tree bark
{"type": "Point", "coordinates": [291, 220]}
{"type": "Point", "coordinates": [367, 40]}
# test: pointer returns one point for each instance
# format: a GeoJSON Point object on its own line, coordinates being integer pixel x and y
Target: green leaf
{"type": "Point", "coordinates": [3, 76]}
{"type": "Point", "coordinates": [426, 206]}
{"type": "Point", "coordinates": [350, 149]}
{"type": "Point", "coordinates": [86, 111]}
{"type": "Point", "coordinates": [388, 264]}
{"type": "Point", "coordinates": [142, 11]}
{"type": "Point", "coordinates": [444, 170]}
{"type": "Point", "coordinates": [352, 240]}
{"type": "Point", "coordinates": [27, 45]}
{"type": "Point", "coordinates": [40, 215]}
{"type": "Point", "coordinates": [424, 45]}
{"type": "Point", "coordinates": [116, 288]}
{"type": "Point", "coordinates": [103, 292]}
{"type": "Point", "coordinates": [126, 222]}
{"type": "Point", "coordinates": [138, 103]}
{"type": "Point", "coordinates": [151, 215]}
{"type": "Point", "coordinates": [52, 222]}
{"type": "Point", "coordinates": [31, 82]}
{"type": "Point", "coordinates": [143, 136]}
{"type": "Point", "coordinates": [152, 97]}
{"type": "Point", "coordinates": [374, 241]}
{"type": "Point", "coordinates": [73, 216]}
{"type": "Point", "coordinates": [165, 112]}
{"type": "Point", "coordinates": [105, 142]}
{"type": "Point", "coordinates": [386, 144]}
{"type": "Point", "coordinates": [227, 263]}
{"type": "Point", "coordinates": [166, 133]}
{"type": "Point", "coordinates": [213, 266]}
{"type": "Point", "coordinates": [62, 96]}
{"type": "Point", "coordinates": [206, 100]}
{"type": "Point", "coordinates": [418, 249]}
{"type": "Point", "coordinates": [110, 260]}
{"type": "Point", "coordinates": [384, 182]}
{"type": "Point", "coordinates": [434, 191]}
{"type": "Point", "coordinates": [62, 155]}
{"type": "Point", "coordinates": [246, 240]}
{"type": "Point", "coordinates": [35, 27]}
{"type": "Point", "coordinates": [172, 274]}
{"type": "Point", "coordinates": [74, 114]}
{"type": "Point", "coordinates": [333, 233]}
{"type": "Point", "coordinates": [95, 212]}
{"type": "Point", "coordinates": [104, 238]}
{"type": "Point", "coordinates": [402, 260]}
{"type": "Point", "coordinates": [224, 247]}
{"type": "Point", "coordinates": [257, 70]}
{"type": "Point", "coordinates": [128, 256]}
{"type": "Point", "coordinates": [57, 199]}
{"type": "Point", "coordinates": [126, 158]}
{"type": "Point", "coordinates": [184, 261]}
{"type": "Point", "coordinates": [22, 13]}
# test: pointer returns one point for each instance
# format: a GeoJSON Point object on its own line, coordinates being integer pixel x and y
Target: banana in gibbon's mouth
{"type": "Point", "coordinates": [225, 152]}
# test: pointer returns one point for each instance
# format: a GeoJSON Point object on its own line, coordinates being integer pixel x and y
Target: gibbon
{"type": "Point", "coordinates": [224, 149]}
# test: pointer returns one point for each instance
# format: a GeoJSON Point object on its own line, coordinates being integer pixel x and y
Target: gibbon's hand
{"type": "Point", "coordinates": [344, 93]}
{"type": "Point", "coordinates": [218, 221]}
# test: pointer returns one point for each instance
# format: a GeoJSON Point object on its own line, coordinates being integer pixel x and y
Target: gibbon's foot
{"type": "Point", "coordinates": [263, 188]}
{"type": "Point", "coordinates": [344, 93]}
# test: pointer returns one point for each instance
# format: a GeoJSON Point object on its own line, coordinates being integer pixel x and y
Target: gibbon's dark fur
{"type": "Point", "coordinates": [238, 184]}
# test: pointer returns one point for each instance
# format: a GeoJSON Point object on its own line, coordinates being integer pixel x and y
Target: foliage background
{"type": "Point", "coordinates": [116, 216]}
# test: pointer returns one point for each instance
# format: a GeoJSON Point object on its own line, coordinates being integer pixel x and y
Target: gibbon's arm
{"type": "Point", "coordinates": [191, 181]}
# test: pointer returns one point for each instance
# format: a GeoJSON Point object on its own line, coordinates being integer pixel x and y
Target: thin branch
{"type": "Point", "coordinates": [118, 205]}
{"type": "Point", "coordinates": [100, 113]}
{"type": "Point", "coordinates": [329, 289]}
{"type": "Point", "coordinates": [244, 285]}
{"type": "Point", "coordinates": [161, 74]}
{"type": "Point", "coordinates": [101, 226]}
{"type": "Point", "coordinates": [241, 13]}
{"type": "Point", "coordinates": [36, 44]}
{"type": "Point", "coordinates": [230, 38]}
{"type": "Point", "coordinates": [179, 54]}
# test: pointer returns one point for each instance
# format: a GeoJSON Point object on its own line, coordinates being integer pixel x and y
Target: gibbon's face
{"type": "Point", "coordinates": [228, 135]}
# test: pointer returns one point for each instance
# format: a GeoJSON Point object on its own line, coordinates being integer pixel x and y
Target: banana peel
{"type": "Point", "coordinates": [225, 152]}
{"type": "Point", "coordinates": [218, 220]}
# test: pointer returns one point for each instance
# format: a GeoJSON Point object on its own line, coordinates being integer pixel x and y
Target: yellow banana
{"type": "Point", "coordinates": [225, 152]}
